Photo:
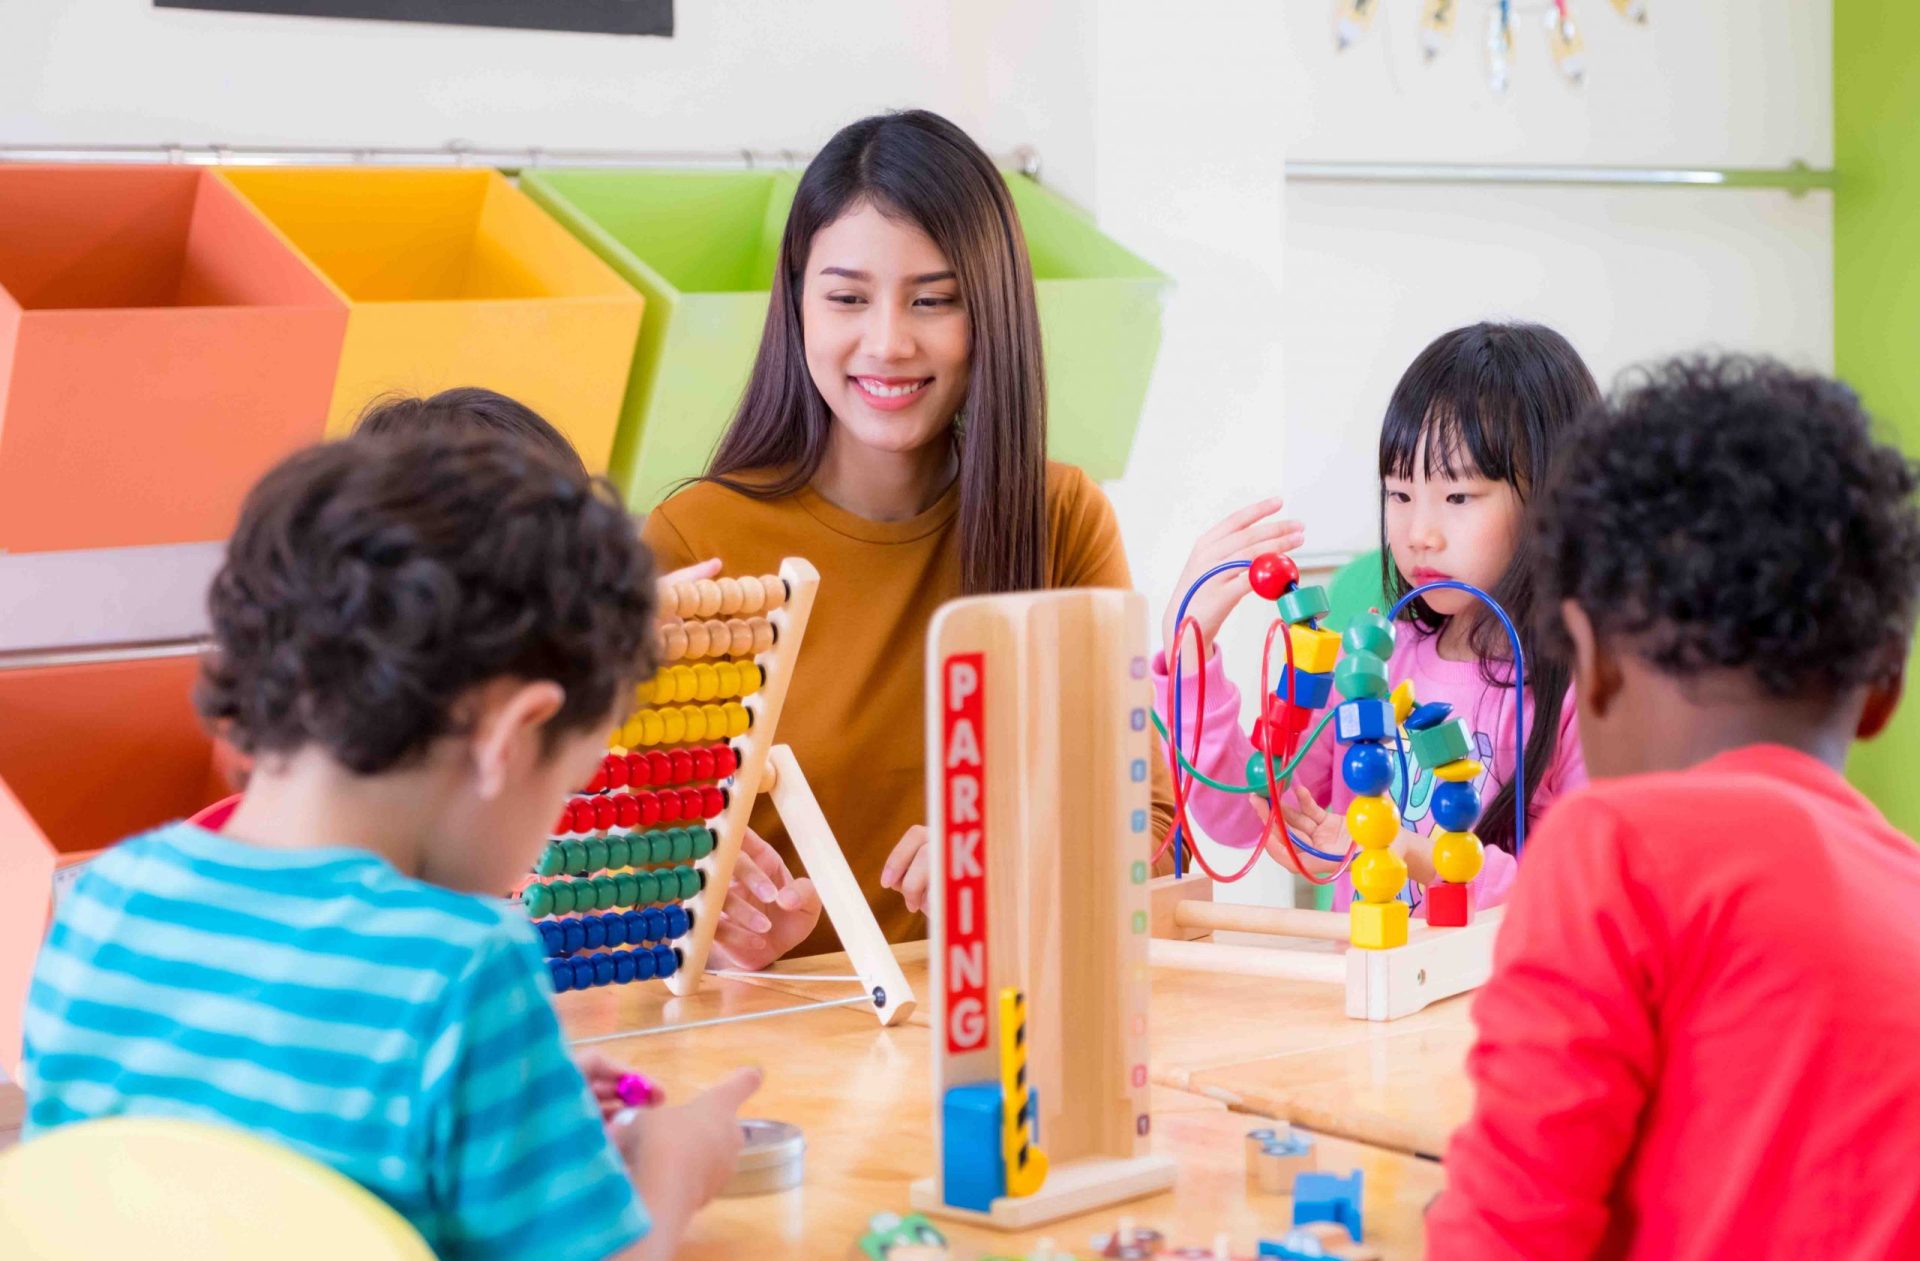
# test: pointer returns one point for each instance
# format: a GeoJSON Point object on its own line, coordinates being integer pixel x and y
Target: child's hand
{"type": "Point", "coordinates": [692, 573]}
{"type": "Point", "coordinates": [1243, 535]}
{"type": "Point", "coordinates": [681, 1156]}
{"type": "Point", "coordinates": [907, 868]}
{"type": "Point", "coordinates": [1313, 823]}
{"type": "Point", "coordinates": [603, 1079]}
{"type": "Point", "coordinates": [767, 911]}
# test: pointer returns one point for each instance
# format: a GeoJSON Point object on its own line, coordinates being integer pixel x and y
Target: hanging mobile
{"type": "Point", "coordinates": [1565, 41]}
{"type": "Point", "coordinates": [1436, 26]}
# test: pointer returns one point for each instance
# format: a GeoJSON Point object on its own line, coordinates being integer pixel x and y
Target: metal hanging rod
{"type": "Point", "coordinates": [1796, 177]}
{"type": "Point", "coordinates": [1024, 159]}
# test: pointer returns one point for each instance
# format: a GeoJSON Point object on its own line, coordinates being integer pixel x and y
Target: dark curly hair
{"type": "Point", "coordinates": [1735, 514]}
{"type": "Point", "coordinates": [465, 409]}
{"type": "Point", "coordinates": [372, 582]}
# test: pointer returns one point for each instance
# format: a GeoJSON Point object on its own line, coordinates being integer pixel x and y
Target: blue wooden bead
{"type": "Point", "coordinates": [1431, 714]}
{"type": "Point", "coordinates": [644, 966]}
{"type": "Point", "coordinates": [562, 974]}
{"type": "Point", "coordinates": [582, 970]}
{"type": "Point", "coordinates": [677, 922]}
{"type": "Point", "coordinates": [666, 960]}
{"type": "Point", "coordinates": [595, 931]}
{"type": "Point", "coordinates": [623, 970]}
{"type": "Point", "coordinates": [1367, 768]}
{"type": "Point", "coordinates": [552, 938]}
{"type": "Point", "coordinates": [615, 929]}
{"type": "Point", "coordinates": [573, 936]}
{"type": "Point", "coordinates": [603, 969]}
{"type": "Point", "coordinates": [1456, 806]}
{"type": "Point", "coordinates": [1363, 719]}
{"type": "Point", "coordinates": [1304, 688]}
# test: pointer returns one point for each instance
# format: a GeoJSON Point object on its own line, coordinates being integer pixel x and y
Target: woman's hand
{"type": "Point", "coordinates": [1242, 535]}
{"type": "Point", "coordinates": [907, 868]}
{"type": "Point", "coordinates": [767, 912]}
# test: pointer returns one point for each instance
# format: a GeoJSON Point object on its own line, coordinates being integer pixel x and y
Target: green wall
{"type": "Point", "coordinates": [1876, 292]}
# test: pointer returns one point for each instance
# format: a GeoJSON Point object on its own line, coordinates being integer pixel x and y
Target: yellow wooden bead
{"type": "Point", "coordinates": [1457, 856]}
{"type": "Point", "coordinates": [1378, 925]}
{"type": "Point", "coordinates": [643, 693]}
{"type": "Point", "coordinates": [706, 682]}
{"type": "Point", "coordinates": [653, 728]}
{"type": "Point", "coordinates": [1372, 822]}
{"type": "Point", "coordinates": [726, 679]}
{"type": "Point", "coordinates": [1459, 771]}
{"type": "Point", "coordinates": [751, 676]}
{"type": "Point", "coordinates": [1378, 875]}
{"type": "Point", "coordinates": [673, 726]}
{"type": "Point", "coordinates": [737, 720]}
{"type": "Point", "coordinates": [1314, 651]}
{"type": "Point", "coordinates": [1403, 700]}
{"type": "Point", "coordinates": [696, 720]}
{"type": "Point", "coordinates": [629, 734]}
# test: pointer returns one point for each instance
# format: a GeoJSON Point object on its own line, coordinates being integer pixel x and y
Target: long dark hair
{"type": "Point", "coordinates": [924, 170]}
{"type": "Point", "coordinates": [1492, 400]}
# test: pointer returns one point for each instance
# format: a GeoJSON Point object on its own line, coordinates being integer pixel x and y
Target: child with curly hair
{"type": "Point", "coordinates": [1699, 1037]}
{"type": "Point", "coordinates": [421, 641]}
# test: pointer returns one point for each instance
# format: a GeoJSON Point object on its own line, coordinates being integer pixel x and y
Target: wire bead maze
{"type": "Point", "coordinates": [1382, 727]}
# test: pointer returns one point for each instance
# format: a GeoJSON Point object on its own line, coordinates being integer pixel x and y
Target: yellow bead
{"type": "Point", "coordinates": [643, 693]}
{"type": "Point", "coordinates": [696, 720]}
{"type": "Point", "coordinates": [1378, 875]}
{"type": "Point", "coordinates": [673, 726]}
{"type": "Point", "coordinates": [629, 734]}
{"type": "Point", "coordinates": [1372, 822]}
{"type": "Point", "coordinates": [687, 686]}
{"type": "Point", "coordinates": [726, 677]}
{"type": "Point", "coordinates": [1459, 771]}
{"type": "Point", "coordinates": [1457, 856]}
{"type": "Point", "coordinates": [653, 728]}
{"type": "Point", "coordinates": [1378, 925]}
{"type": "Point", "coordinates": [1403, 701]}
{"type": "Point", "coordinates": [751, 676]}
{"type": "Point", "coordinates": [706, 682]}
{"type": "Point", "coordinates": [737, 720]}
{"type": "Point", "coordinates": [1314, 651]}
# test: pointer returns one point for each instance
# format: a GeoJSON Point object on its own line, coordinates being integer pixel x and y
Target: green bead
{"type": "Point", "coordinates": [684, 839]}
{"type": "Point", "coordinates": [689, 882]}
{"type": "Point", "coordinates": [629, 887]}
{"type": "Point", "coordinates": [1369, 633]}
{"type": "Point", "coordinates": [596, 855]}
{"type": "Point", "coordinates": [1436, 746]}
{"type": "Point", "coordinates": [1257, 772]}
{"type": "Point", "coordinates": [702, 843]}
{"type": "Point", "coordinates": [538, 900]}
{"type": "Point", "coordinates": [552, 861]}
{"type": "Point", "coordinates": [619, 852]}
{"type": "Point", "coordinates": [606, 892]}
{"type": "Point", "coordinates": [576, 857]}
{"type": "Point", "coordinates": [646, 889]}
{"type": "Point", "coordinates": [1302, 604]}
{"type": "Point", "coordinates": [660, 846]}
{"type": "Point", "coordinates": [561, 892]}
{"type": "Point", "coordinates": [1361, 676]}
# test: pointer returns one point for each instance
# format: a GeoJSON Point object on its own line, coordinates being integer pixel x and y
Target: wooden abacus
{"type": "Point", "coordinates": [632, 884]}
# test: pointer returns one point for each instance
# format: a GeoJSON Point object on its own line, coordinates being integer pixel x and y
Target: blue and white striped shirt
{"type": "Point", "coordinates": [396, 1031]}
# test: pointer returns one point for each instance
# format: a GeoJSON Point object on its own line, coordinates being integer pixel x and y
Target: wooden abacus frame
{"type": "Point", "coordinates": [766, 767]}
{"type": "Point", "coordinates": [1048, 894]}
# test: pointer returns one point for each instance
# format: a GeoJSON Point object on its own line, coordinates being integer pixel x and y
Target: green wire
{"type": "Point", "coordinates": [1284, 774]}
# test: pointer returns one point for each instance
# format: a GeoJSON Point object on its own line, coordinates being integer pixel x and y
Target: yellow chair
{"type": "Point", "coordinates": [164, 1190]}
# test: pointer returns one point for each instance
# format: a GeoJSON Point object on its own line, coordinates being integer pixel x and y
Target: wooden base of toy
{"type": "Point", "coordinates": [1079, 1187]}
{"type": "Point", "coordinates": [1435, 963]}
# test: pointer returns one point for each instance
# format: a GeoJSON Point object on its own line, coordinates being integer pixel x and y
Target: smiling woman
{"type": "Point", "coordinates": [893, 432]}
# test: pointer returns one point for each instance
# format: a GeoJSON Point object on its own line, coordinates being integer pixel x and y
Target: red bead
{"type": "Point", "coordinates": [682, 765]}
{"type": "Point", "coordinates": [726, 760]}
{"type": "Point", "coordinates": [1271, 574]}
{"type": "Point", "coordinates": [581, 812]}
{"type": "Point", "coordinates": [604, 813]}
{"type": "Point", "coordinates": [692, 804]}
{"type": "Point", "coordinates": [626, 810]}
{"type": "Point", "coordinates": [615, 769]}
{"type": "Point", "coordinates": [649, 808]}
{"type": "Point", "coordinates": [598, 784]}
{"type": "Point", "coordinates": [1448, 905]}
{"type": "Point", "coordinates": [703, 763]}
{"type": "Point", "coordinates": [669, 805]}
{"type": "Point", "coordinates": [712, 802]}
{"type": "Point", "coordinates": [659, 768]}
{"type": "Point", "coordinates": [565, 825]}
{"type": "Point", "coordinates": [637, 770]}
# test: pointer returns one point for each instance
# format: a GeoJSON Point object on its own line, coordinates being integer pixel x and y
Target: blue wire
{"type": "Point", "coordinates": [1519, 693]}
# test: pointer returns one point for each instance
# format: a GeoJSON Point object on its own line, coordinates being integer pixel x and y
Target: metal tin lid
{"type": "Point", "coordinates": [772, 1160]}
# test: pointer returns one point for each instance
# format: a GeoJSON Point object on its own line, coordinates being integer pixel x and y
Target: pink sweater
{"type": "Point", "coordinates": [1231, 819]}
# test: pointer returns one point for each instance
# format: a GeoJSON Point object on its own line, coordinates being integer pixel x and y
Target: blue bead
{"type": "Point", "coordinates": [666, 960]}
{"type": "Point", "coordinates": [1363, 719]}
{"type": "Point", "coordinates": [552, 939]}
{"type": "Point", "coordinates": [1431, 714]}
{"type": "Point", "coordinates": [616, 929]}
{"type": "Point", "coordinates": [623, 967]}
{"type": "Point", "coordinates": [562, 974]}
{"type": "Point", "coordinates": [573, 936]}
{"type": "Point", "coordinates": [596, 931]}
{"type": "Point", "coordinates": [677, 923]}
{"type": "Point", "coordinates": [1310, 691]}
{"type": "Point", "coordinates": [1455, 806]}
{"type": "Point", "coordinates": [603, 969]}
{"type": "Point", "coordinates": [656, 924]}
{"type": "Point", "coordinates": [582, 973]}
{"type": "Point", "coordinates": [1367, 768]}
{"type": "Point", "coordinates": [644, 966]}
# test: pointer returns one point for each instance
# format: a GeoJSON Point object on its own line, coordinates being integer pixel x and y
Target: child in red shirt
{"type": "Point", "coordinates": [1702, 1035]}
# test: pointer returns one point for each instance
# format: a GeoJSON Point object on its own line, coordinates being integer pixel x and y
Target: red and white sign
{"type": "Point", "coordinates": [963, 778]}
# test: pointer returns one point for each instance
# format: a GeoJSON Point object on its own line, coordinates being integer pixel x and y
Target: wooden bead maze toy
{"type": "Point", "coordinates": [1393, 965]}
{"type": "Point", "coordinates": [631, 885]}
{"type": "Point", "coordinates": [1037, 813]}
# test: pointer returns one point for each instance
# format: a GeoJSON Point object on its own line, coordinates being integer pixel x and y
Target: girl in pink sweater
{"type": "Point", "coordinates": [1469, 432]}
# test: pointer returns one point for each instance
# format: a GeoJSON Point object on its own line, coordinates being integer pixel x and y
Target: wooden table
{"type": "Point", "coordinates": [1223, 1047]}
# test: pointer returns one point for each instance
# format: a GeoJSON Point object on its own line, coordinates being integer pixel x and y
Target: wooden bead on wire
{"type": "Point", "coordinates": [698, 640]}
{"type": "Point", "coordinates": [708, 592]}
{"type": "Point", "coordinates": [762, 635]}
{"type": "Point", "coordinates": [673, 641]}
{"type": "Point", "coordinates": [729, 596]}
{"type": "Point", "coordinates": [776, 589]}
{"type": "Point", "coordinates": [753, 597]}
{"type": "Point", "coordinates": [739, 637]}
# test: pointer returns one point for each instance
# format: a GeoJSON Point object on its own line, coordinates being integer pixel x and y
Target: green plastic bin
{"type": "Point", "coordinates": [702, 246]}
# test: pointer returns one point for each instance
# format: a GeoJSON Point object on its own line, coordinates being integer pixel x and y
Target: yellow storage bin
{"type": "Point", "coordinates": [457, 278]}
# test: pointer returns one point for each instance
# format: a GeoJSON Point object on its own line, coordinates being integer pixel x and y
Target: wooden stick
{"type": "Point", "coordinates": [1207, 956]}
{"type": "Point", "coordinates": [1280, 921]}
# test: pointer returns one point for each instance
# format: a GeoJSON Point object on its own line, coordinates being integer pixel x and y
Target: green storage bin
{"type": "Point", "coordinates": [702, 246]}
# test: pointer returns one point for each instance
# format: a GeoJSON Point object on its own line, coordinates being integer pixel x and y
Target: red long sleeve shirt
{"type": "Point", "coordinates": [1702, 1035]}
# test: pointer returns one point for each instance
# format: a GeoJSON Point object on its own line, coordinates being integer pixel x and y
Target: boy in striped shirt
{"type": "Point", "coordinates": [421, 642]}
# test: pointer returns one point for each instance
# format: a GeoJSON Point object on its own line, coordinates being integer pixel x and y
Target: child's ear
{"type": "Point", "coordinates": [1883, 698]}
{"type": "Point", "coordinates": [1596, 674]}
{"type": "Point", "coordinates": [508, 728]}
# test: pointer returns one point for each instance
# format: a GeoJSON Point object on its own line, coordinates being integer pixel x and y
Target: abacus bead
{"type": "Point", "coordinates": [686, 598]}
{"type": "Point", "coordinates": [574, 855]}
{"type": "Point", "coordinates": [538, 900]}
{"type": "Point", "coordinates": [666, 960]}
{"type": "Point", "coordinates": [605, 813]}
{"type": "Point", "coordinates": [552, 938]}
{"type": "Point", "coordinates": [668, 803]}
{"type": "Point", "coordinates": [575, 935]}
{"type": "Point", "coordinates": [704, 643]}
{"type": "Point", "coordinates": [676, 922]}
{"type": "Point", "coordinates": [1372, 822]}
{"type": "Point", "coordinates": [706, 682]}
{"type": "Point", "coordinates": [1257, 772]}
{"type": "Point", "coordinates": [603, 969]}
{"type": "Point", "coordinates": [703, 843]}
{"type": "Point", "coordinates": [696, 728]}
{"type": "Point", "coordinates": [637, 770]}
{"type": "Point", "coordinates": [1369, 633]}
{"type": "Point", "coordinates": [751, 677]}
{"type": "Point", "coordinates": [681, 760]}
{"type": "Point", "coordinates": [615, 769]}
{"type": "Point", "coordinates": [673, 726]}
{"type": "Point", "coordinates": [690, 882]}
{"type": "Point", "coordinates": [619, 851]}
{"type": "Point", "coordinates": [622, 968]}
{"type": "Point", "coordinates": [1367, 769]}
{"type": "Point", "coordinates": [1457, 856]}
{"type": "Point", "coordinates": [1455, 807]}
{"type": "Point", "coordinates": [598, 784]}
{"type": "Point", "coordinates": [593, 932]}
{"type": "Point", "coordinates": [562, 973]}
{"type": "Point", "coordinates": [702, 764]}
{"type": "Point", "coordinates": [763, 635]}
{"type": "Point", "coordinates": [582, 970]}
{"type": "Point", "coordinates": [648, 806]}
{"type": "Point", "coordinates": [606, 892]}
{"type": "Point", "coordinates": [709, 593]}
{"type": "Point", "coordinates": [659, 767]}
{"type": "Point", "coordinates": [713, 802]}
{"type": "Point", "coordinates": [726, 679]}
{"type": "Point", "coordinates": [776, 590]}
{"type": "Point", "coordinates": [635, 924]}
{"type": "Point", "coordinates": [1361, 676]}
{"type": "Point", "coordinates": [738, 720]}
{"type": "Point", "coordinates": [753, 597]}
{"type": "Point", "coordinates": [655, 923]}
{"type": "Point", "coordinates": [682, 848]}
{"type": "Point", "coordinates": [673, 642]}
{"type": "Point", "coordinates": [646, 888]}
{"type": "Point", "coordinates": [730, 596]}
{"type": "Point", "coordinates": [739, 637]}
{"type": "Point", "coordinates": [626, 810]}
{"type": "Point", "coordinates": [580, 815]}
{"type": "Point", "coordinates": [1271, 574]}
{"type": "Point", "coordinates": [653, 728]}
{"type": "Point", "coordinates": [596, 855]}
{"type": "Point", "coordinates": [1378, 875]}
{"type": "Point", "coordinates": [726, 760]}
{"type": "Point", "coordinates": [645, 967]}
{"type": "Point", "coordinates": [559, 897]}
{"type": "Point", "coordinates": [693, 803]}
{"type": "Point", "coordinates": [627, 889]}
{"type": "Point", "coordinates": [552, 861]}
